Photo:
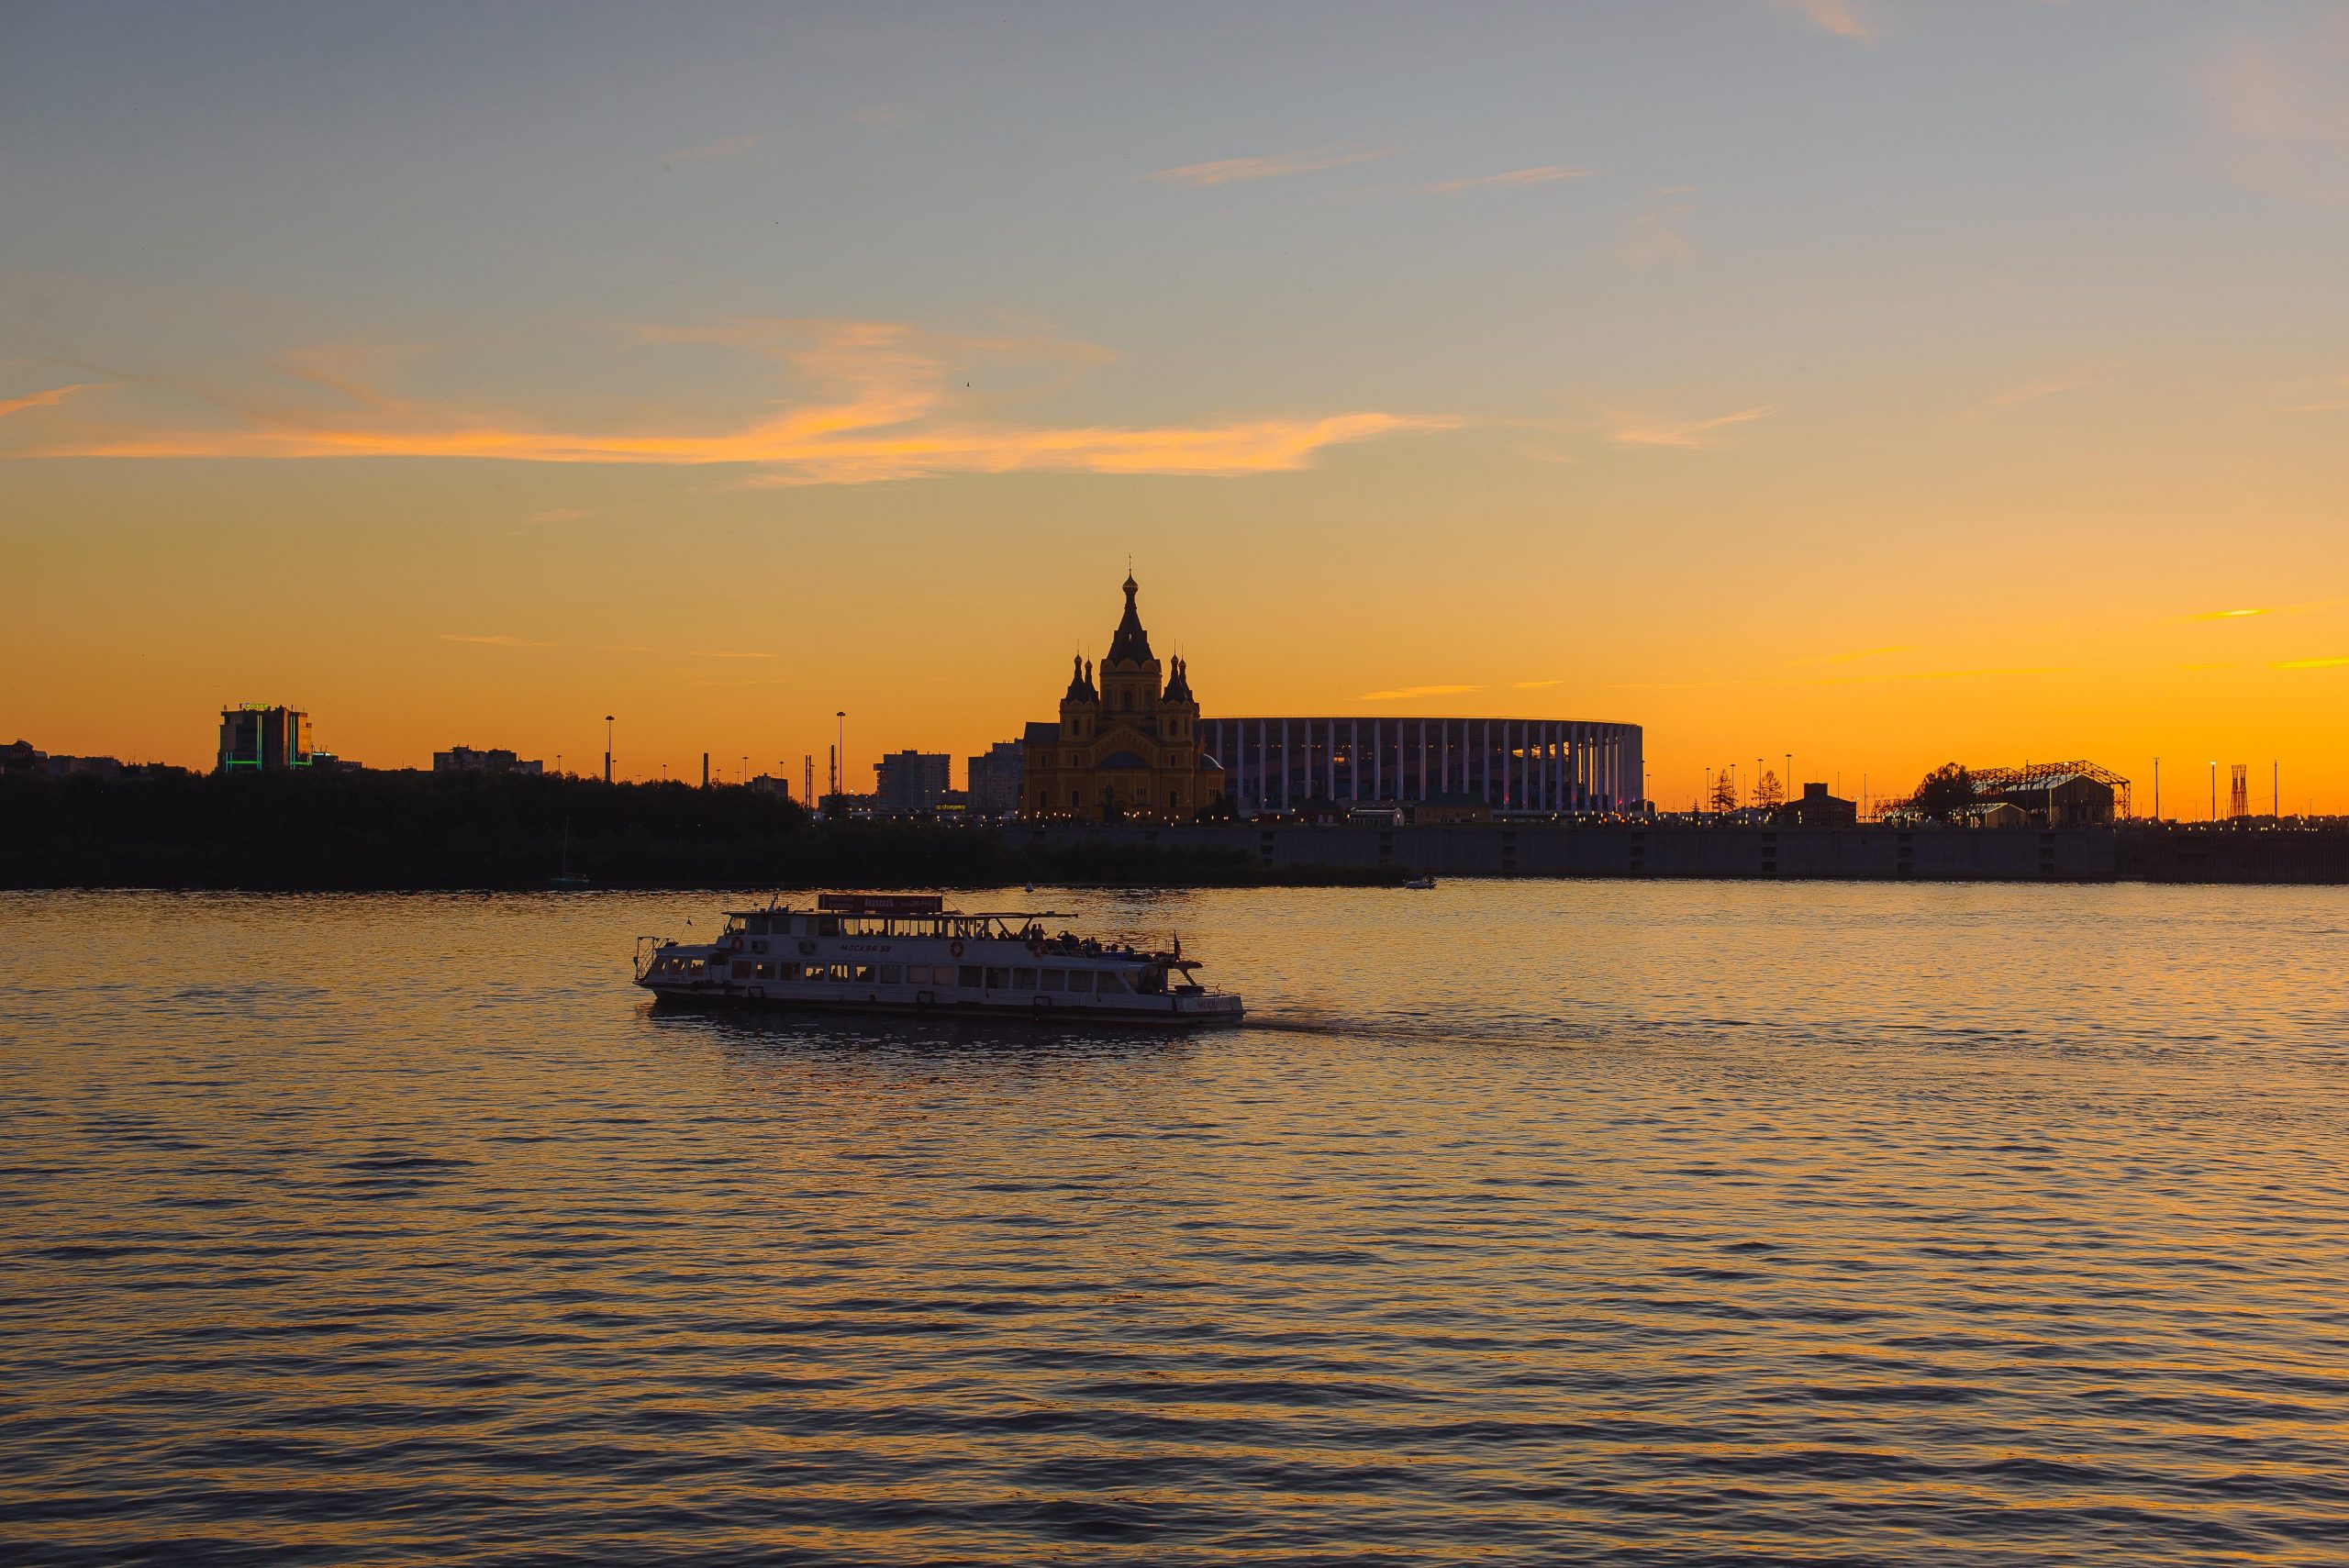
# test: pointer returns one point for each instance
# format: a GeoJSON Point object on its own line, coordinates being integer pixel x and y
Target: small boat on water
{"type": "Point", "coordinates": [1420, 884]}
{"type": "Point", "coordinates": [908, 953]}
{"type": "Point", "coordinates": [567, 880]}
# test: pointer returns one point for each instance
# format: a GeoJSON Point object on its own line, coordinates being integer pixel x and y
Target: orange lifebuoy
{"type": "Point", "coordinates": [955, 947]}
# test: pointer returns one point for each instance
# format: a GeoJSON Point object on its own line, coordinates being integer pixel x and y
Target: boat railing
{"type": "Point", "coordinates": [648, 949]}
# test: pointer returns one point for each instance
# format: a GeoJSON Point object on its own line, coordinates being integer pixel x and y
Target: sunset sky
{"type": "Point", "coordinates": [1880, 381]}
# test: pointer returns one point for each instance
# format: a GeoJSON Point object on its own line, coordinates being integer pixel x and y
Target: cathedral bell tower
{"type": "Point", "coordinates": [1126, 750]}
{"type": "Point", "coordinates": [1080, 704]}
{"type": "Point", "coordinates": [1129, 675]}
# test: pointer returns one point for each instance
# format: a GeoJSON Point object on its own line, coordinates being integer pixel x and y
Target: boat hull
{"type": "Point", "coordinates": [1147, 1012]}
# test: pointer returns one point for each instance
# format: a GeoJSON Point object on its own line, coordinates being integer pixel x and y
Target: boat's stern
{"type": "Point", "coordinates": [1207, 1007]}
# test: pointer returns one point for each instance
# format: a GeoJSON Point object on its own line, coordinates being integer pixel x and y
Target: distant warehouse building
{"type": "Point", "coordinates": [1511, 764]}
{"type": "Point", "coordinates": [2054, 795]}
{"type": "Point", "coordinates": [496, 760]}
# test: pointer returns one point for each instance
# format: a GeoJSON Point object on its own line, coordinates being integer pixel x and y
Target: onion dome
{"type": "Point", "coordinates": [1132, 644]}
{"type": "Point", "coordinates": [1178, 685]}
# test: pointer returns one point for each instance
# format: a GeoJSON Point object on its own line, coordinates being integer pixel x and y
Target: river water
{"type": "Point", "coordinates": [1525, 1222]}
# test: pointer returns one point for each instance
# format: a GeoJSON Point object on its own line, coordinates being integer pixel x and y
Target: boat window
{"type": "Point", "coordinates": [1080, 980]}
{"type": "Point", "coordinates": [1055, 980]}
{"type": "Point", "coordinates": [1023, 980]}
{"type": "Point", "coordinates": [969, 976]}
{"type": "Point", "coordinates": [759, 947]}
{"type": "Point", "coordinates": [865, 973]}
{"type": "Point", "coordinates": [1112, 987]}
{"type": "Point", "coordinates": [892, 973]}
{"type": "Point", "coordinates": [829, 926]}
{"type": "Point", "coordinates": [741, 969]}
{"type": "Point", "coordinates": [763, 970]}
{"type": "Point", "coordinates": [998, 979]}
{"type": "Point", "coordinates": [757, 925]}
{"type": "Point", "coordinates": [812, 972]}
{"type": "Point", "coordinates": [839, 973]}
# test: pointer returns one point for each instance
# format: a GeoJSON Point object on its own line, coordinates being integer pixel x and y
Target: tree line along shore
{"type": "Point", "coordinates": [413, 831]}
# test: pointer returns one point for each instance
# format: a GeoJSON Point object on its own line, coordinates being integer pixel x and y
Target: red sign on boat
{"type": "Point", "coordinates": [880, 902]}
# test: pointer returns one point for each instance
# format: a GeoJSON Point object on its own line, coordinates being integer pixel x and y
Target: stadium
{"type": "Point", "coordinates": [1512, 765]}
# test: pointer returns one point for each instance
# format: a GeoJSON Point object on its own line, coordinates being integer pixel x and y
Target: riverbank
{"type": "Point", "coordinates": [1872, 852]}
{"type": "Point", "coordinates": [398, 832]}
{"type": "Point", "coordinates": [416, 832]}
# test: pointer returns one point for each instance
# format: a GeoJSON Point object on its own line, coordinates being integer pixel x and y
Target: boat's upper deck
{"type": "Point", "coordinates": [922, 916]}
{"type": "Point", "coordinates": [991, 924]}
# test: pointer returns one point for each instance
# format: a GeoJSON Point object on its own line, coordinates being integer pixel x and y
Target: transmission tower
{"type": "Point", "coordinates": [2238, 792]}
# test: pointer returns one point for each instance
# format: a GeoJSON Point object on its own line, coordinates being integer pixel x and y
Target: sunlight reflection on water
{"type": "Point", "coordinates": [1616, 1222]}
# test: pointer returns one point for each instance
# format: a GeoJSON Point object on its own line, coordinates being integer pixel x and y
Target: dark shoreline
{"type": "Point", "coordinates": [419, 832]}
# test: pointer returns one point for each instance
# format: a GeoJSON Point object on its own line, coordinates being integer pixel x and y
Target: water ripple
{"type": "Point", "coordinates": [1611, 1224]}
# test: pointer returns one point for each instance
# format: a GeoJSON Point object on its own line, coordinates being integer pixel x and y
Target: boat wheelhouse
{"type": "Point", "coordinates": [908, 952]}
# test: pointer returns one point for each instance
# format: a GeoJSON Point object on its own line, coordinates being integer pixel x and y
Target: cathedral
{"type": "Point", "coordinates": [1125, 749]}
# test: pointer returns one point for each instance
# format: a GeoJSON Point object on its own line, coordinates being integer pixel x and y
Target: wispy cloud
{"type": "Point", "coordinates": [883, 116]}
{"type": "Point", "coordinates": [2312, 663]}
{"type": "Point", "coordinates": [2031, 391]}
{"type": "Point", "coordinates": [1835, 15]}
{"type": "Point", "coordinates": [1976, 672]}
{"type": "Point", "coordinates": [1857, 654]}
{"type": "Point", "coordinates": [727, 653]}
{"type": "Point", "coordinates": [1654, 235]}
{"type": "Point", "coordinates": [1985, 670]}
{"type": "Point", "coordinates": [2333, 399]}
{"type": "Point", "coordinates": [1274, 166]}
{"type": "Point", "coordinates": [715, 151]}
{"type": "Point", "coordinates": [1401, 693]}
{"type": "Point", "coordinates": [1637, 430]}
{"type": "Point", "coordinates": [883, 405]}
{"type": "Point", "coordinates": [556, 515]}
{"type": "Point", "coordinates": [1541, 176]}
{"type": "Point", "coordinates": [497, 641]}
{"type": "Point", "coordinates": [2249, 611]}
{"type": "Point", "coordinates": [1865, 680]}
{"type": "Point", "coordinates": [49, 399]}
{"type": "Point", "coordinates": [2282, 104]}
{"type": "Point", "coordinates": [1534, 685]}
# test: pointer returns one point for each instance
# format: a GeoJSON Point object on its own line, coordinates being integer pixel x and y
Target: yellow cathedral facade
{"type": "Point", "coordinates": [1126, 750]}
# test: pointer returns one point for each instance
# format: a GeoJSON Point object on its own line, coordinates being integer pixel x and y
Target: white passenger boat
{"type": "Point", "coordinates": [903, 952]}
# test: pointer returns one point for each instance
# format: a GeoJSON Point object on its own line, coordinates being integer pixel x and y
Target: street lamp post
{"type": "Point", "coordinates": [607, 748]}
{"type": "Point", "coordinates": [2214, 790]}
